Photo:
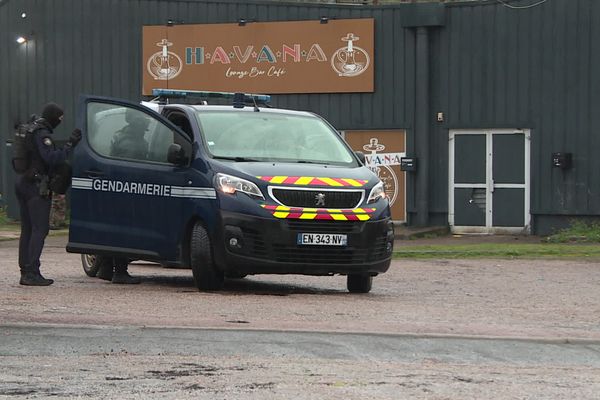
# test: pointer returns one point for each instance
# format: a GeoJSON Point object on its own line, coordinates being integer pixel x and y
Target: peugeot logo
{"type": "Point", "coordinates": [320, 198]}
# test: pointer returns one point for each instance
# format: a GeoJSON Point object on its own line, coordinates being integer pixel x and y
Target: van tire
{"type": "Point", "coordinates": [206, 276]}
{"type": "Point", "coordinates": [91, 263]}
{"type": "Point", "coordinates": [359, 283]}
{"type": "Point", "coordinates": [235, 275]}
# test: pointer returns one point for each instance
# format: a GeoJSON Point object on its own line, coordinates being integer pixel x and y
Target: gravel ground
{"type": "Point", "coordinates": [538, 300]}
{"type": "Point", "coordinates": [505, 298]}
{"type": "Point", "coordinates": [198, 377]}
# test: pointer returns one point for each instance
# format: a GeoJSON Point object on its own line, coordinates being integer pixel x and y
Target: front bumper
{"type": "Point", "coordinates": [269, 246]}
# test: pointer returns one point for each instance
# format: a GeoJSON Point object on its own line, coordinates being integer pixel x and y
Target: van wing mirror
{"type": "Point", "coordinates": [176, 155]}
{"type": "Point", "coordinates": [361, 156]}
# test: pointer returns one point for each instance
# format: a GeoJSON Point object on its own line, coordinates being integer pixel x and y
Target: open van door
{"type": "Point", "coordinates": [125, 179]}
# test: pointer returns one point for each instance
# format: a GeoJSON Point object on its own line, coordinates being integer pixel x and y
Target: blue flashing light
{"type": "Point", "coordinates": [175, 93]}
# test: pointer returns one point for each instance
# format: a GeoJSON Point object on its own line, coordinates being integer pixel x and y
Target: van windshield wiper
{"type": "Point", "coordinates": [239, 159]}
{"type": "Point", "coordinates": [313, 162]}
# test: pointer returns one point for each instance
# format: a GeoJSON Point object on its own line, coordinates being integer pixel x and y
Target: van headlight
{"type": "Point", "coordinates": [378, 192]}
{"type": "Point", "coordinates": [231, 184]}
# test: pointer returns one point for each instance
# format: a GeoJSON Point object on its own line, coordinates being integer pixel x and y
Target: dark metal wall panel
{"type": "Point", "coordinates": [491, 67]}
{"type": "Point", "coordinates": [94, 47]}
{"type": "Point", "coordinates": [4, 115]}
{"type": "Point", "coordinates": [592, 144]}
{"type": "Point", "coordinates": [498, 67]}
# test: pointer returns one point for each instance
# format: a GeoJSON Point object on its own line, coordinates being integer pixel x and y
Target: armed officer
{"type": "Point", "coordinates": [33, 192]}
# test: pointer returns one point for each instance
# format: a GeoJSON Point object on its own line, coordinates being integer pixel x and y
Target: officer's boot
{"type": "Point", "coordinates": [121, 276]}
{"type": "Point", "coordinates": [32, 277]}
{"type": "Point", "coordinates": [105, 271]}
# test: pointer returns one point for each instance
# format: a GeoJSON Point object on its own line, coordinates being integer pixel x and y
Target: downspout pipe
{"type": "Point", "coordinates": [422, 130]}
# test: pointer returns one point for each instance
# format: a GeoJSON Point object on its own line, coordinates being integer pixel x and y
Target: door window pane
{"type": "Point", "coordinates": [469, 207]}
{"type": "Point", "coordinates": [509, 158]}
{"type": "Point", "coordinates": [470, 159]}
{"type": "Point", "coordinates": [126, 133]}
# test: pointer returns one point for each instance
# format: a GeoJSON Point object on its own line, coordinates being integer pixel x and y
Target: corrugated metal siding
{"type": "Point", "coordinates": [94, 46]}
{"type": "Point", "coordinates": [534, 68]}
{"type": "Point", "coordinates": [490, 67]}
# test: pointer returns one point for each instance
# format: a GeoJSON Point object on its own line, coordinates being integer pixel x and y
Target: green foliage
{"type": "Point", "coordinates": [3, 217]}
{"type": "Point", "coordinates": [5, 222]}
{"type": "Point", "coordinates": [579, 232]}
{"type": "Point", "coordinates": [499, 250]}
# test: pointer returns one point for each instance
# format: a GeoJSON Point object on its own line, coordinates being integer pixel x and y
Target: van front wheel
{"type": "Point", "coordinates": [204, 270]}
{"type": "Point", "coordinates": [359, 283]}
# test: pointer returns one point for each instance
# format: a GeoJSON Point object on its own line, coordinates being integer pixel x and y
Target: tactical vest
{"type": "Point", "coordinates": [26, 159]}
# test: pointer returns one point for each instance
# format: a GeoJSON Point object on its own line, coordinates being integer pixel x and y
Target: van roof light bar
{"type": "Point", "coordinates": [236, 97]}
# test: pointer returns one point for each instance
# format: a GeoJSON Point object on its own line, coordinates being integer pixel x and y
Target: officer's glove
{"type": "Point", "coordinates": [75, 137]}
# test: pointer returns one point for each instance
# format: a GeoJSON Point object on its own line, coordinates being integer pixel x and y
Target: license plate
{"type": "Point", "coordinates": [322, 239]}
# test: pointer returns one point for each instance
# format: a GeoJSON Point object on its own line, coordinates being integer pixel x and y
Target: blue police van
{"type": "Point", "coordinates": [226, 190]}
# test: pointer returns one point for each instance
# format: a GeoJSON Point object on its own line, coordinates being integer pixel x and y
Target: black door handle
{"type": "Point", "coordinates": [94, 173]}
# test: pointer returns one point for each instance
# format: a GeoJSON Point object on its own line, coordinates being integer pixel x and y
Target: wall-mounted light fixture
{"type": "Point", "coordinates": [325, 19]}
{"type": "Point", "coordinates": [172, 22]}
{"type": "Point", "coordinates": [244, 21]}
{"type": "Point", "coordinates": [21, 39]}
{"type": "Point", "coordinates": [23, 15]}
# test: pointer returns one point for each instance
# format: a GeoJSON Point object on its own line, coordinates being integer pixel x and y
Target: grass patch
{"type": "Point", "coordinates": [5, 222]}
{"type": "Point", "coordinates": [578, 232]}
{"type": "Point", "coordinates": [500, 250]}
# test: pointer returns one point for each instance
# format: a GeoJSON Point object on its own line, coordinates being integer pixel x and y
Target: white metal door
{"type": "Point", "coordinates": [489, 181]}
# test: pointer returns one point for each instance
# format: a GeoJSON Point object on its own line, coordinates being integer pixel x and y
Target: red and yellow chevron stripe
{"type": "Point", "coordinates": [313, 181]}
{"type": "Point", "coordinates": [330, 214]}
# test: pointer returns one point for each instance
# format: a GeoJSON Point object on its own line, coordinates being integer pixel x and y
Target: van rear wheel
{"type": "Point", "coordinates": [91, 263]}
{"type": "Point", "coordinates": [206, 276]}
{"type": "Point", "coordinates": [359, 283]}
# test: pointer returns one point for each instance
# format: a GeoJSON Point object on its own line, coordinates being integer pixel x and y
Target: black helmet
{"type": "Point", "coordinates": [52, 113]}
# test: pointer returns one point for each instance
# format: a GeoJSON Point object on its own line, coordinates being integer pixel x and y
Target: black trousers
{"type": "Point", "coordinates": [35, 221]}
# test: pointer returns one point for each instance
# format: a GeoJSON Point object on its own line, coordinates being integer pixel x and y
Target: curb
{"type": "Point", "coordinates": [552, 340]}
{"type": "Point", "coordinates": [402, 232]}
{"type": "Point", "coordinates": [14, 235]}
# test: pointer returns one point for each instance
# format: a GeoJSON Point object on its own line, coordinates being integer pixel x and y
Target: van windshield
{"type": "Point", "coordinates": [268, 136]}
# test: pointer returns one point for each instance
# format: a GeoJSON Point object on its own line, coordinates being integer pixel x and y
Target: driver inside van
{"type": "Point", "coordinates": [129, 141]}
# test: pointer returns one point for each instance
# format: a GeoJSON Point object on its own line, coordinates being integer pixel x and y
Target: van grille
{"type": "Point", "coordinates": [313, 226]}
{"type": "Point", "coordinates": [308, 198]}
{"type": "Point", "coordinates": [318, 255]}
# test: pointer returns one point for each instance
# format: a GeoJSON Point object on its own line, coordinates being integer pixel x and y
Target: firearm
{"type": "Point", "coordinates": [44, 185]}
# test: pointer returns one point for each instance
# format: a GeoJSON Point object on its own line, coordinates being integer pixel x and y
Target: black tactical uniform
{"type": "Point", "coordinates": [33, 193]}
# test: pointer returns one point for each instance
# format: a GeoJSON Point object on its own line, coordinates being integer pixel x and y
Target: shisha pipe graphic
{"type": "Point", "coordinates": [344, 59]}
{"type": "Point", "coordinates": [374, 146]}
{"type": "Point", "coordinates": [347, 57]}
{"type": "Point", "coordinates": [350, 38]}
{"type": "Point", "coordinates": [161, 67]}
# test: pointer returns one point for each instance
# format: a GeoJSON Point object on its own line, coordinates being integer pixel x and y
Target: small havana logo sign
{"type": "Point", "coordinates": [381, 163]}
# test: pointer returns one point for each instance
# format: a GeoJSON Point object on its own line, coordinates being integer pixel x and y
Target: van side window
{"type": "Point", "coordinates": [179, 119]}
{"type": "Point", "coordinates": [127, 133]}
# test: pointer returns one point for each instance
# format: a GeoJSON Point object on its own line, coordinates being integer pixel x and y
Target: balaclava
{"type": "Point", "coordinates": [52, 113]}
